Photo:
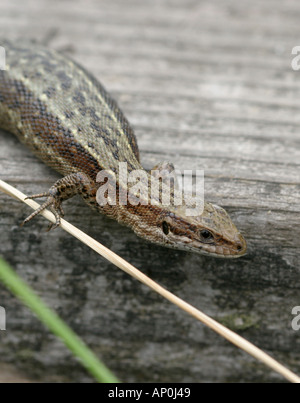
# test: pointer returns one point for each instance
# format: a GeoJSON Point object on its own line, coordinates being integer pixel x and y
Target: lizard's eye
{"type": "Point", "coordinates": [165, 227]}
{"type": "Point", "coordinates": [206, 235]}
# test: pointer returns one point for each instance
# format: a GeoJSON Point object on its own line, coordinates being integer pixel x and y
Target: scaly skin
{"type": "Point", "coordinates": [69, 121]}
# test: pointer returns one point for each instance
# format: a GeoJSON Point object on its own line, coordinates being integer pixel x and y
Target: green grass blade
{"type": "Point", "coordinates": [21, 290]}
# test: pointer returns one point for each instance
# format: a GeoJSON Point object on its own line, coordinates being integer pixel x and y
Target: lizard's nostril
{"type": "Point", "coordinates": [241, 245]}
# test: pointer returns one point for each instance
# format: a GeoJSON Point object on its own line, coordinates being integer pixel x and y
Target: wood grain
{"type": "Point", "coordinates": [207, 85]}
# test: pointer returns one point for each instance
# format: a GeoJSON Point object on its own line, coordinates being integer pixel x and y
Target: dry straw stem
{"type": "Point", "coordinates": [132, 271]}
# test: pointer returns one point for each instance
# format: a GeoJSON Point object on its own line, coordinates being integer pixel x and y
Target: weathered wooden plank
{"type": "Point", "coordinates": [207, 85]}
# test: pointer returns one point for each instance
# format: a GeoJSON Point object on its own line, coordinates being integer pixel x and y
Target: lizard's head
{"type": "Point", "coordinates": [212, 233]}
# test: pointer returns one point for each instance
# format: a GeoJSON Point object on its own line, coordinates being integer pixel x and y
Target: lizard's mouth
{"type": "Point", "coordinates": [226, 249]}
{"type": "Point", "coordinates": [223, 249]}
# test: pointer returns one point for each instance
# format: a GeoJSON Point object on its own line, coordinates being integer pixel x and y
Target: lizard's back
{"type": "Point", "coordinates": [62, 113]}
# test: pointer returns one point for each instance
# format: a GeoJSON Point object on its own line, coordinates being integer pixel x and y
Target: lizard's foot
{"type": "Point", "coordinates": [53, 202]}
{"type": "Point", "coordinates": [63, 189]}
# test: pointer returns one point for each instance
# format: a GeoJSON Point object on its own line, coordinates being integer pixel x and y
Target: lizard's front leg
{"type": "Point", "coordinates": [63, 189]}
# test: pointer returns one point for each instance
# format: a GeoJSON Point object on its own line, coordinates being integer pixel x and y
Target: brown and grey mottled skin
{"type": "Point", "coordinates": [65, 116]}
